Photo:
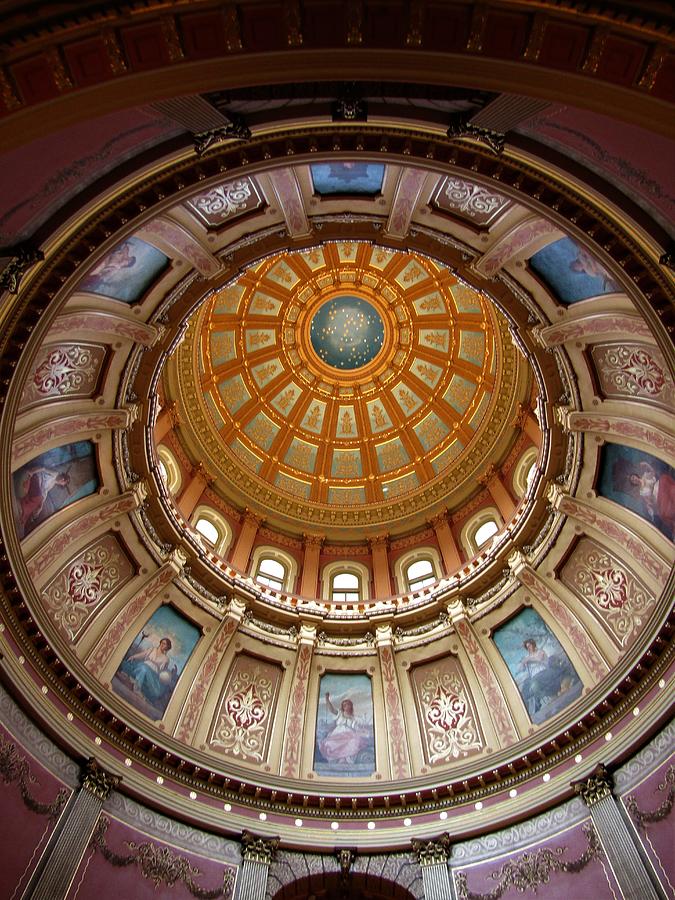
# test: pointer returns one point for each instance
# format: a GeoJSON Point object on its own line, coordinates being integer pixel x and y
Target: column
{"type": "Point", "coordinates": [398, 743]}
{"type": "Point", "coordinates": [62, 856]}
{"type": "Point", "coordinates": [452, 559]}
{"type": "Point", "coordinates": [310, 566]}
{"type": "Point", "coordinates": [433, 857]}
{"type": "Point", "coordinates": [193, 490]}
{"type": "Point", "coordinates": [297, 704]}
{"type": "Point", "coordinates": [258, 854]}
{"type": "Point", "coordinates": [526, 421]}
{"type": "Point", "coordinates": [242, 549]}
{"type": "Point", "coordinates": [622, 853]}
{"type": "Point", "coordinates": [166, 420]}
{"type": "Point", "coordinates": [380, 557]}
{"type": "Point", "coordinates": [505, 502]}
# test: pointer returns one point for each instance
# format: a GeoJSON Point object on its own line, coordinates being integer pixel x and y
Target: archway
{"type": "Point", "coordinates": [333, 886]}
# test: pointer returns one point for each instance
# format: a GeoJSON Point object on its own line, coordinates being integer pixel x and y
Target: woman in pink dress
{"type": "Point", "coordinates": [347, 737]}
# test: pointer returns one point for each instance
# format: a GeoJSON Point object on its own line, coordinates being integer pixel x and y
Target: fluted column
{"type": "Point", "coordinates": [64, 851]}
{"type": "Point", "coordinates": [258, 854]}
{"type": "Point", "coordinates": [292, 751]}
{"type": "Point", "coordinates": [242, 549]}
{"type": "Point", "coordinates": [166, 420]}
{"type": "Point", "coordinates": [630, 871]}
{"type": "Point", "coordinates": [310, 565]}
{"type": "Point", "coordinates": [452, 559]}
{"type": "Point", "coordinates": [433, 857]}
{"type": "Point", "coordinates": [193, 490]}
{"type": "Point", "coordinates": [399, 758]}
{"type": "Point", "coordinates": [380, 557]}
{"type": "Point", "coordinates": [499, 493]}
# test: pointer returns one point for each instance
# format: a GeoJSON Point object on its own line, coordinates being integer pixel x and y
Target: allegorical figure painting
{"type": "Point", "coordinates": [641, 482]}
{"type": "Point", "coordinates": [52, 481]}
{"type": "Point", "coordinates": [126, 272]}
{"type": "Point", "coordinates": [545, 677]}
{"type": "Point", "coordinates": [348, 178]}
{"type": "Point", "coordinates": [345, 741]}
{"type": "Point", "coordinates": [571, 272]}
{"type": "Point", "coordinates": [147, 676]}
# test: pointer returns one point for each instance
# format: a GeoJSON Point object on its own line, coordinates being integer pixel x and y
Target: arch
{"type": "Point", "coordinates": [524, 472]}
{"type": "Point", "coordinates": [206, 516]}
{"type": "Point", "coordinates": [472, 541]}
{"type": "Point", "coordinates": [346, 567]}
{"type": "Point", "coordinates": [418, 554]}
{"type": "Point", "coordinates": [169, 469]}
{"type": "Point", "coordinates": [359, 886]}
{"type": "Point", "coordinates": [282, 558]}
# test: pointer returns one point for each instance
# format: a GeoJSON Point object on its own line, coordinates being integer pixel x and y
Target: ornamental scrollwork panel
{"type": "Point", "coordinates": [15, 769]}
{"type": "Point", "coordinates": [642, 817]}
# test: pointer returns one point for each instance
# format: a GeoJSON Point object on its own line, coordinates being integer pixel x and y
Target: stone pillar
{"type": "Point", "coordinates": [242, 550]}
{"type": "Point", "coordinates": [166, 420]}
{"type": "Point", "coordinates": [433, 858]}
{"type": "Point", "coordinates": [452, 559]}
{"type": "Point", "coordinates": [380, 557]}
{"type": "Point", "coordinates": [62, 856]}
{"type": "Point", "coordinates": [193, 490]}
{"type": "Point", "coordinates": [505, 502]}
{"type": "Point", "coordinates": [622, 853]}
{"type": "Point", "coordinates": [258, 854]}
{"type": "Point", "coordinates": [398, 742]}
{"type": "Point", "coordinates": [310, 566]}
{"type": "Point", "coordinates": [292, 750]}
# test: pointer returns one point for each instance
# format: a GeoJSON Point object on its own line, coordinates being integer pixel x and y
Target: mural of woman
{"type": "Point", "coordinates": [348, 735]}
{"type": "Point", "coordinates": [35, 501]}
{"type": "Point", "coordinates": [657, 493]}
{"type": "Point", "coordinates": [151, 670]}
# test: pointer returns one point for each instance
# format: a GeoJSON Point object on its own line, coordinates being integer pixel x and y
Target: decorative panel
{"type": "Point", "coordinates": [448, 721]}
{"type": "Point", "coordinates": [243, 722]}
{"type": "Point", "coordinates": [473, 203]}
{"type": "Point", "coordinates": [84, 583]}
{"type": "Point", "coordinates": [226, 202]}
{"type": "Point", "coordinates": [619, 599]}
{"type": "Point", "coordinates": [635, 371]}
{"type": "Point", "coordinates": [69, 371]}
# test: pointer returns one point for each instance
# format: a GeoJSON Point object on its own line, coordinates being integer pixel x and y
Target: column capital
{"type": "Point", "coordinates": [379, 540]}
{"type": "Point", "coordinates": [307, 633]}
{"type": "Point", "coordinates": [522, 412]}
{"type": "Point", "coordinates": [433, 852]}
{"type": "Point", "coordinates": [258, 849]}
{"type": "Point", "coordinates": [488, 475]}
{"type": "Point", "coordinates": [313, 540]}
{"type": "Point", "coordinates": [596, 787]}
{"type": "Point", "coordinates": [384, 634]}
{"type": "Point", "coordinates": [250, 516]}
{"type": "Point", "coordinates": [236, 608]}
{"type": "Point", "coordinates": [97, 781]}
{"type": "Point", "coordinates": [200, 471]}
{"type": "Point", "coordinates": [441, 518]}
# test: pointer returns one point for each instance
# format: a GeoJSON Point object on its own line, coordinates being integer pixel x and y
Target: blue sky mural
{"type": "Point", "coordinates": [345, 741]}
{"type": "Point", "coordinates": [571, 272]}
{"type": "Point", "coordinates": [640, 482]}
{"type": "Point", "coordinates": [148, 674]}
{"type": "Point", "coordinates": [126, 272]}
{"type": "Point", "coordinates": [542, 671]}
{"type": "Point", "coordinates": [347, 332]}
{"type": "Point", "coordinates": [347, 178]}
{"type": "Point", "coordinates": [52, 481]}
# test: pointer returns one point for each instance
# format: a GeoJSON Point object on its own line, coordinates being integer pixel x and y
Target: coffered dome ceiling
{"type": "Point", "coordinates": [368, 385]}
{"type": "Point", "coordinates": [346, 345]}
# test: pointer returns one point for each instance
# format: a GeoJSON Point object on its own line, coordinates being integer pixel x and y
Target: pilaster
{"type": "Point", "coordinates": [399, 758]}
{"type": "Point", "coordinates": [452, 559]}
{"type": "Point", "coordinates": [258, 853]}
{"type": "Point", "coordinates": [380, 557]}
{"type": "Point", "coordinates": [292, 751]}
{"type": "Point", "coordinates": [633, 877]}
{"type": "Point", "coordinates": [433, 857]}
{"type": "Point", "coordinates": [61, 858]}
{"type": "Point", "coordinates": [242, 550]}
{"type": "Point", "coordinates": [310, 565]}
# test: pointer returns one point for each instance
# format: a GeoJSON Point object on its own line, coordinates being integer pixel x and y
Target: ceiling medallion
{"type": "Point", "coordinates": [346, 332]}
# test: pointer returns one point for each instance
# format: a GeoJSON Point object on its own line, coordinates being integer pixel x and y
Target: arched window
{"type": "Point", "coordinates": [419, 574]}
{"type": "Point", "coordinates": [213, 528]}
{"type": "Point", "coordinates": [480, 529]}
{"type": "Point", "coordinates": [169, 469]}
{"type": "Point", "coordinates": [484, 532]}
{"type": "Point", "coordinates": [274, 568]}
{"type": "Point", "coordinates": [345, 587]}
{"type": "Point", "coordinates": [524, 472]}
{"type": "Point", "coordinates": [208, 530]}
{"type": "Point", "coordinates": [271, 573]}
{"type": "Point", "coordinates": [345, 581]}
